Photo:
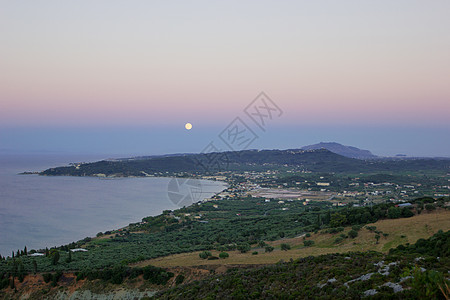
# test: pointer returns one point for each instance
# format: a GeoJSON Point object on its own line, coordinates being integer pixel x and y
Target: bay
{"type": "Point", "coordinates": [45, 211]}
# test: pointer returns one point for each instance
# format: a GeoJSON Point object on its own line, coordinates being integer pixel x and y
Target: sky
{"type": "Point", "coordinates": [123, 77]}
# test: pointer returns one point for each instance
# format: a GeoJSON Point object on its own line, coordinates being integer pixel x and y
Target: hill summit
{"type": "Point", "coordinates": [347, 151]}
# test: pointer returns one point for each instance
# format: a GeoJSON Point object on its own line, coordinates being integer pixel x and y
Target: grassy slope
{"type": "Point", "coordinates": [420, 226]}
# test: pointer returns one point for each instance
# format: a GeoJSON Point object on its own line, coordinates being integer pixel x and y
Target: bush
{"type": "Point", "coordinates": [371, 228]}
{"type": "Point", "coordinates": [179, 279]}
{"type": "Point", "coordinates": [308, 243]}
{"type": "Point", "coordinates": [47, 277]}
{"type": "Point", "coordinates": [224, 255]}
{"type": "Point", "coordinates": [255, 253]}
{"type": "Point", "coordinates": [338, 240]}
{"type": "Point", "coordinates": [394, 213]}
{"type": "Point", "coordinates": [268, 249]}
{"type": "Point", "coordinates": [204, 254]}
{"type": "Point", "coordinates": [356, 227]}
{"type": "Point", "coordinates": [244, 247]}
{"type": "Point", "coordinates": [430, 207]}
{"type": "Point", "coordinates": [285, 247]}
{"type": "Point", "coordinates": [353, 233]}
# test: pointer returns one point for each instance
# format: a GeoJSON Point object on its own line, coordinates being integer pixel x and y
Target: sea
{"type": "Point", "coordinates": [46, 211]}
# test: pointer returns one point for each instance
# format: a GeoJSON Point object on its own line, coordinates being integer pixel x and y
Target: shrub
{"type": "Point", "coordinates": [430, 207]}
{"type": "Point", "coordinates": [268, 249]}
{"type": "Point", "coordinates": [47, 277]}
{"type": "Point", "coordinates": [308, 243]}
{"type": "Point", "coordinates": [224, 255]}
{"type": "Point", "coordinates": [356, 227]}
{"type": "Point", "coordinates": [353, 233]}
{"type": "Point", "coordinates": [371, 228]}
{"type": "Point", "coordinates": [179, 279]}
{"type": "Point", "coordinates": [204, 254]}
{"type": "Point", "coordinates": [338, 240]}
{"type": "Point", "coordinates": [255, 253]}
{"type": "Point", "coordinates": [285, 247]}
{"type": "Point", "coordinates": [244, 247]}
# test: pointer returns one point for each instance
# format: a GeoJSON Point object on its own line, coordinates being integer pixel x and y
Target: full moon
{"type": "Point", "coordinates": [188, 126]}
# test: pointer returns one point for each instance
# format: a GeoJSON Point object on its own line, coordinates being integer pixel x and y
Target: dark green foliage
{"type": "Point", "coordinates": [394, 213]}
{"type": "Point", "coordinates": [268, 249]}
{"type": "Point", "coordinates": [156, 275]}
{"type": "Point", "coordinates": [438, 246]}
{"type": "Point", "coordinates": [353, 233]}
{"type": "Point", "coordinates": [371, 228]}
{"type": "Point", "coordinates": [47, 277]}
{"type": "Point", "coordinates": [338, 240]}
{"type": "Point", "coordinates": [69, 257]}
{"type": "Point", "coordinates": [244, 247]}
{"type": "Point", "coordinates": [179, 279]}
{"type": "Point", "coordinates": [430, 207]}
{"type": "Point", "coordinates": [285, 247]}
{"type": "Point", "coordinates": [337, 220]}
{"type": "Point", "coordinates": [308, 243]}
{"type": "Point", "coordinates": [223, 255]}
{"type": "Point", "coordinates": [54, 256]}
{"type": "Point", "coordinates": [377, 237]}
{"type": "Point", "coordinates": [204, 254]}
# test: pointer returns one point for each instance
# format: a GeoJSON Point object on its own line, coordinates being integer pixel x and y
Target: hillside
{"type": "Point", "coordinates": [405, 273]}
{"type": "Point", "coordinates": [347, 151]}
{"type": "Point", "coordinates": [399, 232]}
{"type": "Point", "coordinates": [320, 160]}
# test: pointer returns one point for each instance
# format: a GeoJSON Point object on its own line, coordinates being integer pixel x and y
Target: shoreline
{"type": "Point", "coordinates": [221, 186]}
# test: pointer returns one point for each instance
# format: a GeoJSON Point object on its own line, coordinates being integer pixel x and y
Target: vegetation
{"type": "Point", "coordinates": [342, 276]}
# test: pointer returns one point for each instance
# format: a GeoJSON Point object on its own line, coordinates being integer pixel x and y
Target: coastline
{"type": "Point", "coordinates": [56, 190]}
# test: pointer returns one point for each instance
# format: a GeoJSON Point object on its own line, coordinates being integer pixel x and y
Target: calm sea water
{"type": "Point", "coordinates": [40, 211]}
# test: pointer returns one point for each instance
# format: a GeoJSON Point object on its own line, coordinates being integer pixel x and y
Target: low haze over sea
{"type": "Point", "coordinates": [40, 211]}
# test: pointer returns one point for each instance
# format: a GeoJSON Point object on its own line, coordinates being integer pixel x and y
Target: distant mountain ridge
{"type": "Point", "coordinates": [347, 151]}
{"type": "Point", "coordinates": [318, 160]}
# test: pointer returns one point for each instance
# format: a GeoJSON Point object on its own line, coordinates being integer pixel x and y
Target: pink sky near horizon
{"type": "Point", "coordinates": [151, 63]}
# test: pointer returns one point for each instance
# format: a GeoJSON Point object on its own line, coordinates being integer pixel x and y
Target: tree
{"type": "Point", "coordinates": [69, 258]}
{"type": "Point", "coordinates": [338, 219]}
{"type": "Point", "coordinates": [394, 213]}
{"type": "Point", "coordinates": [262, 244]}
{"type": "Point", "coordinates": [377, 237]}
{"type": "Point", "coordinates": [244, 247]}
{"type": "Point", "coordinates": [406, 212]}
{"type": "Point", "coordinates": [285, 247]}
{"type": "Point", "coordinates": [179, 279]}
{"type": "Point", "coordinates": [34, 266]}
{"type": "Point", "coordinates": [204, 254]}
{"type": "Point", "coordinates": [353, 233]}
{"type": "Point", "coordinates": [308, 243]}
{"type": "Point", "coordinates": [430, 207]}
{"type": "Point", "coordinates": [54, 256]}
{"type": "Point", "coordinates": [268, 249]}
{"type": "Point", "coordinates": [223, 255]}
